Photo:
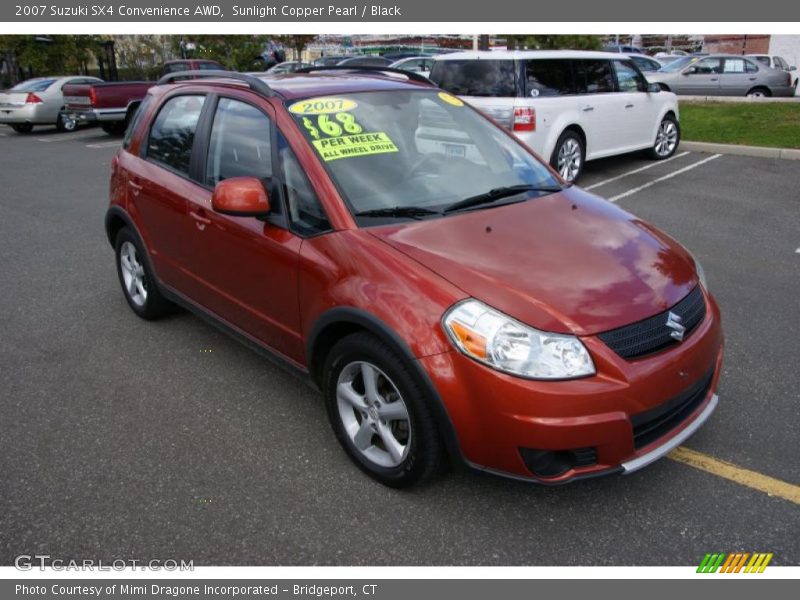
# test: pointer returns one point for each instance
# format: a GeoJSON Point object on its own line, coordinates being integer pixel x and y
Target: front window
{"type": "Point", "coordinates": [422, 150]}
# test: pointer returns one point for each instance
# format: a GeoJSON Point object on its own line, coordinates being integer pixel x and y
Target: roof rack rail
{"type": "Point", "coordinates": [410, 74]}
{"type": "Point", "coordinates": [254, 83]}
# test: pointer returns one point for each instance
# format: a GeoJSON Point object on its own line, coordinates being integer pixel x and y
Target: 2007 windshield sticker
{"type": "Point", "coordinates": [322, 106]}
{"type": "Point", "coordinates": [348, 146]}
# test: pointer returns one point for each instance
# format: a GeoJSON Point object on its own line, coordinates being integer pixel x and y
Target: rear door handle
{"type": "Point", "coordinates": [752, 78]}
{"type": "Point", "coordinates": [200, 221]}
{"type": "Point", "coordinates": [629, 105]}
{"type": "Point", "coordinates": [588, 108]}
{"type": "Point", "coordinates": [714, 79]}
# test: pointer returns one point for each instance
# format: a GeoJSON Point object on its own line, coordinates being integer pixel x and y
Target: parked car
{"type": "Point", "coordinates": [113, 104]}
{"type": "Point", "coordinates": [775, 62]}
{"type": "Point", "coordinates": [39, 101]}
{"type": "Point", "coordinates": [622, 48]}
{"type": "Point", "coordinates": [569, 106]}
{"type": "Point", "coordinates": [364, 61]}
{"type": "Point", "coordinates": [722, 75]}
{"type": "Point", "coordinates": [288, 67]}
{"type": "Point", "coordinates": [330, 60]}
{"type": "Point", "coordinates": [645, 63]}
{"type": "Point", "coordinates": [417, 64]}
{"type": "Point", "coordinates": [450, 298]}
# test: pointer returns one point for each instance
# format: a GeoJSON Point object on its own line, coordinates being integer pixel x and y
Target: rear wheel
{"type": "Point", "coordinates": [138, 283]}
{"type": "Point", "coordinates": [22, 127]}
{"type": "Point", "coordinates": [66, 123]}
{"type": "Point", "coordinates": [379, 413]}
{"type": "Point", "coordinates": [759, 92]}
{"type": "Point", "coordinates": [667, 138]}
{"type": "Point", "coordinates": [114, 128]}
{"type": "Point", "coordinates": [569, 155]}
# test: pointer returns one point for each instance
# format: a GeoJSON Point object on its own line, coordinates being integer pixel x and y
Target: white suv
{"type": "Point", "coordinates": [569, 106]}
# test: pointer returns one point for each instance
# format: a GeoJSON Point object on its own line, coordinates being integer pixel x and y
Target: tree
{"type": "Point", "coordinates": [554, 42]}
{"type": "Point", "coordinates": [237, 52]}
{"type": "Point", "coordinates": [297, 43]}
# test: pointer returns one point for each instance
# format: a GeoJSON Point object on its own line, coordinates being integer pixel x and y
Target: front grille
{"type": "Point", "coordinates": [652, 424]}
{"type": "Point", "coordinates": [652, 334]}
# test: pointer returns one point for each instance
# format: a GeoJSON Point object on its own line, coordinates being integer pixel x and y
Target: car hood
{"type": "Point", "coordinates": [568, 262]}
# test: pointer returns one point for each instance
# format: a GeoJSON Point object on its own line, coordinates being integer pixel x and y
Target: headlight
{"type": "Point", "coordinates": [701, 274]}
{"type": "Point", "coordinates": [507, 345]}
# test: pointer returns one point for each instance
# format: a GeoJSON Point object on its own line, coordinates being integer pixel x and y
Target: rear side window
{"type": "Point", "coordinates": [764, 60]}
{"type": "Point", "coordinates": [137, 118]}
{"type": "Point", "coordinates": [594, 76]}
{"type": "Point", "coordinates": [549, 78]}
{"type": "Point", "coordinates": [175, 67]}
{"type": "Point", "coordinates": [240, 144]}
{"type": "Point", "coordinates": [210, 66]}
{"type": "Point", "coordinates": [738, 65]}
{"type": "Point", "coordinates": [628, 78]}
{"type": "Point", "coordinates": [476, 77]}
{"type": "Point", "coordinates": [172, 134]}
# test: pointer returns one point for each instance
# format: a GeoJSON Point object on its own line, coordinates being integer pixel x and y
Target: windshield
{"type": "Point", "coordinates": [33, 85]}
{"type": "Point", "coordinates": [677, 65]}
{"type": "Point", "coordinates": [421, 149]}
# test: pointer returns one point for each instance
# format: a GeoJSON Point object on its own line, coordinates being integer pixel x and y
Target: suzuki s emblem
{"type": "Point", "coordinates": [674, 323]}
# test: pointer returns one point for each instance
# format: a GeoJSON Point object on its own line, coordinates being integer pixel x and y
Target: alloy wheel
{"type": "Point", "coordinates": [133, 274]}
{"type": "Point", "coordinates": [667, 138]}
{"type": "Point", "coordinates": [569, 159]}
{"type": "Point", "coordinates": [373, 413]}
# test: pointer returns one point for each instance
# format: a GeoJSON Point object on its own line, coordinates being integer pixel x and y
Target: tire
{"type": "Point", "coordinates": [759, 92]}
{"type": "Point", "coordinates": [569, 156]}
{"type": "Point", "coordinates": [65, 123]}
{"type": "Point", "coordinates": [390, 434]}
{"type": "Point", "coordinates": [138, 284]}
{"type": "Point", "coordinates": [22, 127]}
{"type": "Point", "coordinates": [114, 128]}
{"type": "Point", "coordinates": [667, 139]}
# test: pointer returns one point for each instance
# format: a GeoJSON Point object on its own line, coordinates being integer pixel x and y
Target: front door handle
{"type": "Point", "coordinates": [629, 105]}
{"type": "Point", "coordinates": [135, 187]}
{"type": "Point", "coordinates": [200, 221]}
{"type": "Point", "coordinates": [588, 108]}
{"type": "Point", "coordinates": [714, 79]}
{"type": "Point", "coordinates": [752, 78]}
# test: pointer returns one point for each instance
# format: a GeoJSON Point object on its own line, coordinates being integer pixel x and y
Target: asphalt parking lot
{"type": "Point", "coordinates": [153, 440]}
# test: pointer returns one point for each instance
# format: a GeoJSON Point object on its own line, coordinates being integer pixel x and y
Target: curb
{"type": "Point", "coordinates": [757, 151]}
{"type": "Point", "coordinates": [737, 99]}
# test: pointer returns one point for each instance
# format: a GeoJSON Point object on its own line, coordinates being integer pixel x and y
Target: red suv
{"type": "Point", "coordinates": [451, 296]}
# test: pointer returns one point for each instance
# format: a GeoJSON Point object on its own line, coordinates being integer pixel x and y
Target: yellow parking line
{"type": "Point", "coordinates": [745, 477]}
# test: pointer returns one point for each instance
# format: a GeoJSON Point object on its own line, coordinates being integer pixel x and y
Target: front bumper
{"type": "Point", "coordinates": [498, 418]}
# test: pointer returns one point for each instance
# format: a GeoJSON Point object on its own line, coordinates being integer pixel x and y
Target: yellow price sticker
{"type": "Point", "coordinates": [348, 146]}
{"type": "Point", "coordinates": [450, 99]}
{"type": "Point", "coordinates": [322, 106]}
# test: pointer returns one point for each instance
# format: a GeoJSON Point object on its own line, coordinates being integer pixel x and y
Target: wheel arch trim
{"type": "Point", "coordinates": [362, 319]}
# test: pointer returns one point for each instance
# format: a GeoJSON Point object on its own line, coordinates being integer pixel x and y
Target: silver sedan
{"type": "Point", "coordinates": [38, 101]}
{"type": "Point", "coordinates": [722, 75]}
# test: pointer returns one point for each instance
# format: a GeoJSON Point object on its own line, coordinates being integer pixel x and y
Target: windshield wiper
{"type": "Point", "coordinates": [498, 193]}
{"type": "Point", "coordinates": [414, 212]}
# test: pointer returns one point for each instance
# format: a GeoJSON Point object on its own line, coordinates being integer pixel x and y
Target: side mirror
{"type": "Point", "coordinates": [792, 68]}
{"type": "Point", "coordinates": [690, 71]}
{"type": "Point", "coordinates": [241, 197]}
{"type": "Point", "coordinates": [653, 88]}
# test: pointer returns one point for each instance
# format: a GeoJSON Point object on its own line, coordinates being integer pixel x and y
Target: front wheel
{"type": "Point", "coordinates": [568, 156]}
{"type": "Point", "coordinates": [379, 413]}
{"type": "Point", "coordinates": [667, 138]}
